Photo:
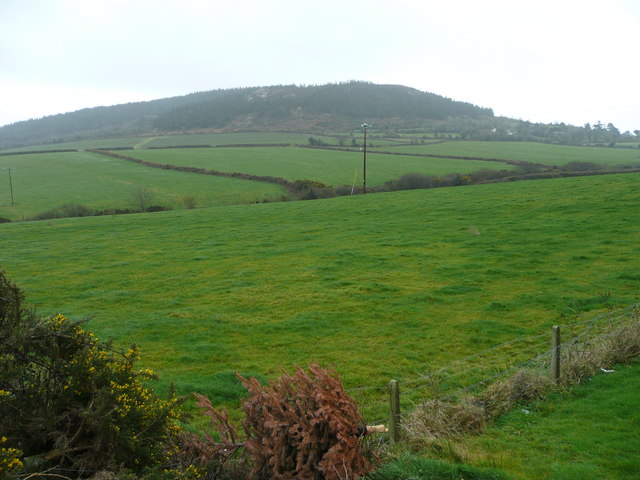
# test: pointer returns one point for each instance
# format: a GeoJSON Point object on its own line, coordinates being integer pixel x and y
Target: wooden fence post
{"type": "Point", "coordinates": [555, 354]}
{"type": "Point", "coordinates": [394, 410]}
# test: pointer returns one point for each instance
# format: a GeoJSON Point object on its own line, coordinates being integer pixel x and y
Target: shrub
{"type": "Point", "coordinates": [435, 419]}
{"type": "Point", "coordinates": [413, 181]}
{"type": "Point", "coordinates": [48, 214]}
{"type": "Point", "coordinates": [189, 202]}
{"type": "Point", "coordinates": [582, 361]}
{"type": "Point", "coordinates": [582, 167]}
{"type": "Point", "coordinates": [65, 211]}
{"type": "Point", "coordinates": [75, 210]}
{"type": "Point", "coordinates": [303, 426]}
{"type": "Point", "coordinates": [76, 402]}
{"type": "Point", "coordinates": [204, 455]}
{"type": "Point", "coordinates": [10, 463]}
{"type": "Point", "coordinates": [522, 387]}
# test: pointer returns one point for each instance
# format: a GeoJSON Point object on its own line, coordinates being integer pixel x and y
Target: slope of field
{"type": "Point", "coordinates": [44, 181]}
{"type": "Point", "coordinates": [327, 166]}
{"type": "Point", "coordinates": [547, 154]}
{"type": "Point", "coordinates": [590, 433]}
{"type": "Point", "coordinates": [377, 286]}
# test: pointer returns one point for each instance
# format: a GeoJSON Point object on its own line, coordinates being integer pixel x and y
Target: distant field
{"type": "Point", "coordinates": [44, 181]}
{"type": "Point", "coordinates": [377, 286]}
{"type": "Point", "coordinates": [530, 152]}
{"type": "Point", "coordinates": [177, 140]}
{"type": "Point", "coordinates": [235, 139]}
{"type": "Point", "coordinates": [80, 145]}
{"type": "Point", "coordinates": [330, 167]}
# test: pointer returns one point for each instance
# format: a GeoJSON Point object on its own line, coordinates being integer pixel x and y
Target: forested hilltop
{"type": "Point", "coordinates": [289, 108]}
{"type": "Point", "coordinates": [319, 109]}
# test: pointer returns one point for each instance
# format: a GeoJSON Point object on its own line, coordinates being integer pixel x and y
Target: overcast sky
{"type": "Point", "coordinates": [572, 61]}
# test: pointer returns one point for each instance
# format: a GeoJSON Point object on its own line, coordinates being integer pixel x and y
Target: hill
{"type": "Point", "coordinates": [289, 108]}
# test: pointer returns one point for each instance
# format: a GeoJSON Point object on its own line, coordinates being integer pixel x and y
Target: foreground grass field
{"type": "Point", "coordinates": [327, 166]}
{"type": "Point", "coordinates": [587, 433]}
{"type": "Point", "coordinates": [376, 286]}
{"type": "Point", "coordinates": [44, 181]}
{"type": "Point", "coordinates": [590, 433]}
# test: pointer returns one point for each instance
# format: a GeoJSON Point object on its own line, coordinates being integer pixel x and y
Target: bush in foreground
{"type": "Point", "coordinates": [72, 401]}
{"type": "Point", "coordinates": [303, 426]}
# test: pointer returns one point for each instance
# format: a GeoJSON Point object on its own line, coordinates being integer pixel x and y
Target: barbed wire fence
{"type": "Point", "coordinates": [470, 375]}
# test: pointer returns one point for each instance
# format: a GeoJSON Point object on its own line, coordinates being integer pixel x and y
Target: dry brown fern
{"type": "Point", "coordinates": [303, 427]}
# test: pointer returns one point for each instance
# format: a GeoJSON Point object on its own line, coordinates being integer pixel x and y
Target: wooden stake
{"type": "Point", "coordinates": [555, 354]}
{"type": "Point", "coordinates": [394, 410]}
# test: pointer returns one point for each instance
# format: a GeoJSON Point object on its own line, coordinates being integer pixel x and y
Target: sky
{"type": "Point", "coordinates": [571, 61]}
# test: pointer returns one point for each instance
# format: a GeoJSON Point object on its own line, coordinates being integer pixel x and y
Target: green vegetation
{"type": "Point", "coordinates": [283, 108]}
{"type": "Point", "coordinates": [163, 141]}
{"type": "Point", "coordinates": [214, 139]}
{"type": "Point", "coordinates": [45, 181]}
{"type": "Point", "coordinates": [376, 286]}
{"type": "Point", "coordinates": [416, 468]}
{"type": "Point", "coordinates": [588, 433]}
{"type": "Point", "coordinates": [546, 154]}
{"type": "Point", "coordinates": [395, 285]}
{"type": "Point", "coordinates": [72, 400]}
{"type": "Point", "coordinates": [327, 166]}
{"type": "Point", "coordinates": [341, 108]}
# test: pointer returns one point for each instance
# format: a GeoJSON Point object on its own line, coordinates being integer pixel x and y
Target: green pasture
{"type": "Point", "coordinates": [248, 138]}
{"type": "Point", "coordinates": [45, 181]}
{"type": "Point", "coordinates": [376, 286]}
{"type": "Point", "coordinates": [590, 433]}
{"type": "Point", "coordinates": [327, 166]}
{"type": "Point", "coordinates": [81, 144]}
{"type": "Point", "coordinates": [544, 153]}
{"type": "Point", "coordinates": [254, 138]}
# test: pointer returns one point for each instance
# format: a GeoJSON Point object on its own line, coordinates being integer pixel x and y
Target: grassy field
{"type": "Point", "coordinates": [590, 433]}
{"type": "Point", "coordinates": [82, 144]}
{"type": "Point", "coordinates": [235, 139]}
{"type": "Point", "coordinates": [377, 286]}
{"type": "Point", "coordinates": [330, 167]}
{"type": "Point", "coordinates": [186, 139]}
{"type": "Point", "coordinates": [587, 433]}
{"type": "Point", "coordinates": [45, 181]}
{"type": "Point", "coordinates": [530, 152]}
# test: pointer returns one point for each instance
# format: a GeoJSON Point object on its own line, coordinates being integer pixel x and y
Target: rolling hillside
{"type": "Point", "coordinates": [373, 285]}
{"type": "Point", "coordinates": [276, 108]}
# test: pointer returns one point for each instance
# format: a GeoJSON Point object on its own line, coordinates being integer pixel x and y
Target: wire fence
{"type": "Point", "coordinates": [472, 373]}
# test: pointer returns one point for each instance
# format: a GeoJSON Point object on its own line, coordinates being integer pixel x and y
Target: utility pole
{"type": "Point", "coordinates": [10, 184]}
{"type": "Point", "coordinates": [364, 162]}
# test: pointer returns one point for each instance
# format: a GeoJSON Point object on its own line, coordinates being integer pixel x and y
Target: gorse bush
{"type": "Point", "coordinates": [10, 463]}
{"type": "Point", "coordinates": [72, 400]}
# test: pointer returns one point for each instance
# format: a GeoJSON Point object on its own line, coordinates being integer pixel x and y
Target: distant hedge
{"type": "Point", "coordinates": [38, 151]}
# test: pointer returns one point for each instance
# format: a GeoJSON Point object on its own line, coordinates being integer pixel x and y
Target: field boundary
{"type": "Point", "coordinates": [231, 145]}
{"type": "Point", "coordinates": [25, 152]}
{"type": "Point", "coordinates": [290, 186]}
{"type": "Point", "coordinates": [520, 163]}
{"type": "Point", "coordinates": [543, 353]}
